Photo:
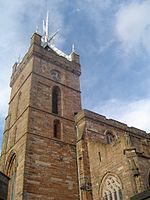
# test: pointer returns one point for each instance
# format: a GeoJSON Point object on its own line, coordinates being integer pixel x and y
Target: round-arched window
{"type": "Point", "coordinates": [110, 136]}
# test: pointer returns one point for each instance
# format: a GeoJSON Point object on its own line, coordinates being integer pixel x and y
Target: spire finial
{"type": "Point", "coordinates": [45, 29]}
{"type": "Point", "coordinates": [37, 29]}
{"type": "Point", "coordinates": [73, 48]}
{"type": "Point", "coordinates": [51, 40]}
{"type": "Point", "coordinates": [18, 60]}
{"type": "Point", "coordinates": [47, 32]}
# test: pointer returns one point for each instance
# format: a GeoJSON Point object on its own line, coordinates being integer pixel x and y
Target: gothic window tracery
{"type": "Point", "coordinates": [56, 100]}
{"type": "Point", "coordinates": [111, 188]}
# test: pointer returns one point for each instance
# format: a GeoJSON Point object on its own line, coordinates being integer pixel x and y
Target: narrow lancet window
{"type": "Point", "coordinates": [56, 100]}
{"type": "Point", "coordinates": [57, 129]}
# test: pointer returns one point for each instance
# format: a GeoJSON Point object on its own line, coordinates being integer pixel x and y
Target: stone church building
{"type": "Point", "coordinates": [55, 150]}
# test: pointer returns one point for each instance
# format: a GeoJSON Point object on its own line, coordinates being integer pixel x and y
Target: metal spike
{"type": "Point", "coordinates": [46, 28]}
{"type": "Point", "coordinates": [43, 26]}
{"type": "Point", "coordinates": [51, 40]}
{"type": "Point", "coordinates": [73, 48]}
{"type": "Point", "coordinates": [37, 29]}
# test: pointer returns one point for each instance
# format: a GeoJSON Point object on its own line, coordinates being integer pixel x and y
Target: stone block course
{"type": "Point", "coordinates": [90, 149]}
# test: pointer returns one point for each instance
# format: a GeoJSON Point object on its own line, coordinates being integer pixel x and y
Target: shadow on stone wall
{"type": "Point", "coordinates": [3, 186]}
{"type": "Point", "coordinates": [142, 196]}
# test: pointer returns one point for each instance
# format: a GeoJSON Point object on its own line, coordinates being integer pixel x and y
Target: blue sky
{"type": "Point", "coordinates": [112, 38]}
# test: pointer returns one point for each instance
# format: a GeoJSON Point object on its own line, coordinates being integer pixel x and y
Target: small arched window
{"type": "Point", "coordinates": [57, 129]}
{"type": "Point", "coordinates": [56, 100]}
{"type": "Point", "coordinates": [110, 137]}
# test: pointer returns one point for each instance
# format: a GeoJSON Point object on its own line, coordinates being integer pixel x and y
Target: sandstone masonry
{"type": "Point", "coordinates": [54, 150]}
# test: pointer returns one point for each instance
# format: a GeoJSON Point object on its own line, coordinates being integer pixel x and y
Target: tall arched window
{"type": "Point", "coordinates": [56, 100]}
{"type": "Point", "coordinates": [11, 172]}
{"type": "Point", "coordinates": [111, 188]}
{"type": "Point", "coordinates": [57, 129]}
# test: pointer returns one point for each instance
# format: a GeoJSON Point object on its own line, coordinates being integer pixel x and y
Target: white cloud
{"type": "Point", "coordinates": [104, 47]}
{"type": "Point", "coordinates": [133, 26]}
{"type": "Point", "coordinates": [93, 9]}
{"type": "Point", "coordinates": [100, 14]}
{"type": "Point", "coordinates": [4, 97]}
{"type": "Point", "coordinates": [98, 4]}
{"type": "Point", "coordinates": [18, 21]}
{"type": "Point", "coordinates": [134, 113]}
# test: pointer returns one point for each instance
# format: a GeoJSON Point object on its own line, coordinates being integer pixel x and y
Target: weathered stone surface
{"type": "Point", "coordinates": [3, 186]}
{"type": "Point", "coordinates": [126, 157]}
{"type": "Point", "coordinates": [46, 166]}
{"type": "Point", "coordinates": [90, 149]}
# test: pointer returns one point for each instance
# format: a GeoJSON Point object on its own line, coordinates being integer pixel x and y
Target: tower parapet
{"type": "Point", "coordinates": [51, 54]}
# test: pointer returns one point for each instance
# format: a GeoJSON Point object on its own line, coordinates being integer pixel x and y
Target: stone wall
{"type": "Point", "coordinates": [92, 152]}
{"type": "Point", "coordinates": [125, 158]}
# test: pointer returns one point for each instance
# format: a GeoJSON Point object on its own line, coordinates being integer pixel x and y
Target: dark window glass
{"type": "Point", "coordinates": [105, 196]}
{"type": "Point", "coordinates": [57, 129]}
{"type": "Point", "coordinates": [56, 100]}
{"type": "Point", "coordinates": [115, 195]}
{"type": "Point", "coordinates": [120, 194]}
{"type": "Point", "coordinates": [110, 196]}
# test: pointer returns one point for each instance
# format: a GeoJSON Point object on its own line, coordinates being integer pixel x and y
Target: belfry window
{"type": "Point", "coordinates": [56, 100]}
{"type": "Point", "coordinates": [110, 137]}
{"type": "Point", "coordinates": [57, 129]}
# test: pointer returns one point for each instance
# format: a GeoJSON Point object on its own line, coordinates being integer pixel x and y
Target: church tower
{"type": "Point", "coordinates": [39, 141]}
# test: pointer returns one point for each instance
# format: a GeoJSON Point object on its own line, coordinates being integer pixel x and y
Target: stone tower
{"type": "Point", "coordinates": [39, 152]}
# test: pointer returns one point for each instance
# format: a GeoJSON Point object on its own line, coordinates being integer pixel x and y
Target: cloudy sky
{"type": "Point", "coordinates": [112, 38]}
